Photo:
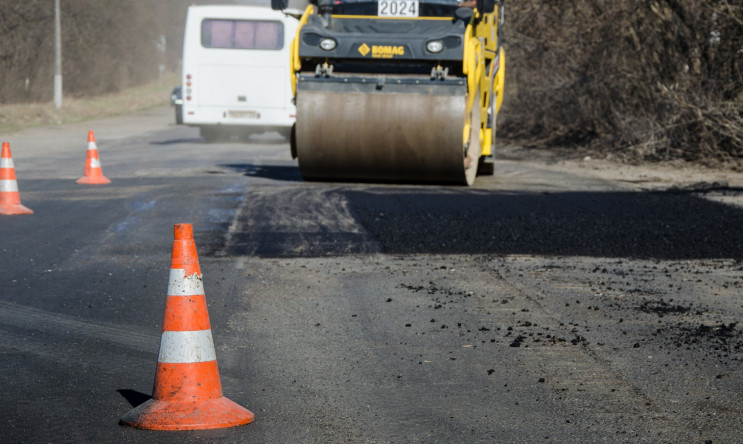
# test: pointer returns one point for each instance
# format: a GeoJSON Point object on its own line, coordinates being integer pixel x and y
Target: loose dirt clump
{"type": "Point", "coordinates": [662, 308]}
{"type": "Point", "coordinates": [723, 340]}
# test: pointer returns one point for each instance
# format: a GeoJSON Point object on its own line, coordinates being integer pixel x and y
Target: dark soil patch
{"type": "Point", "coordinates": [724, 340]}
{"type": "Point", "coordinates": [662, 308]}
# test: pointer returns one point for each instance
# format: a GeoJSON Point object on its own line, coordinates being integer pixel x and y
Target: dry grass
{"type": "Point", "coordinates": [107, 46]}
{"type": "Point", "coordinates": [641, 81]}
{"type": "Point", "coordinates": [15, 117]}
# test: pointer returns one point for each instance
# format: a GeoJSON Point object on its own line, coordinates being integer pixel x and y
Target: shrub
{"type": "Point", "coordinates": [652, 80]}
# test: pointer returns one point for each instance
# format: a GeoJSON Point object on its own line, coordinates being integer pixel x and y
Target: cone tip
{"type": "Point", "coordinates": [91, 137]}
{"type": "Point", "coordinates": [6, 149]}
{"type": "Point", "coordinates": [183, 231]}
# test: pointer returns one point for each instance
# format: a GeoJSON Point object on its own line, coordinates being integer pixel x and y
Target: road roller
{"type": "Point", "coordinates": [397, 90]}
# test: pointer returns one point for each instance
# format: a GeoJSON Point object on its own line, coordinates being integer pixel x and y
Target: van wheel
{"type": "Point", "coordinates": [179, 114]}
{"type": "Point", "coordinates": [210, 135]}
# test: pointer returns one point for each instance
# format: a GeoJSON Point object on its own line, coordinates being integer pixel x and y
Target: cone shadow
{"type": "Point", "coordinates": [134, 397]}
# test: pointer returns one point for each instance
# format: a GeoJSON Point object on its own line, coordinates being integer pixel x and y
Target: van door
{"type": "Point", "coordinates": [240, 55]}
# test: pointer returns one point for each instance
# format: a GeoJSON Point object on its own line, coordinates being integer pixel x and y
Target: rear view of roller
{"type": "Point", "coordinates": [396, 90]}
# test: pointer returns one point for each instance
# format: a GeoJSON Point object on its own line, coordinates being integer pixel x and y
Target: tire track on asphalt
{"type": "Point", "coordinates": [33, 319]}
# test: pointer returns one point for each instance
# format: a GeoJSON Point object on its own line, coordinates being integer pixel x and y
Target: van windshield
{"type": "Point", "coordinates": [242, 34]}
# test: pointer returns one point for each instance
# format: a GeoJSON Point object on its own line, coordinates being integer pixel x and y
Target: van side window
{"type": "Point", "coordinates": [242, 34]}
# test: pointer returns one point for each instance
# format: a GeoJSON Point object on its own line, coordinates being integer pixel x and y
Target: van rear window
{"type": "Point", "coordinates": [242, 34]}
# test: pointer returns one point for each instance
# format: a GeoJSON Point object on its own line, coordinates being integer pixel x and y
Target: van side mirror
{"type": "Point", "coordinates": [279, 5]}
{"type": "Point", "coordinates": [484, 6]}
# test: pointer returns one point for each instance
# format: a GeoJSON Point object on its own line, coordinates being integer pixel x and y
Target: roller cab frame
{"type": "Point", "coordinates": [396, 90]}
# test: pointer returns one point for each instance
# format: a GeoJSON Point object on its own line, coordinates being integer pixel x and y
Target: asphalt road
{"type": "Point", "coordinates": [537, 306]}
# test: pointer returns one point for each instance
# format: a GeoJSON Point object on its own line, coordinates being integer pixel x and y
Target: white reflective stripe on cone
{"type": "Point", "coordinates": [183, 347]}
{"type": "Point", "coordinates": [92, 146]}
{"type": "Point", "coordinates": [180, 285]}
{"type": "Point", "coordinates": [95, 163]}
{"type": "Point", "coordinates": [8, 186]}
{"type": "Point", "coordinates": [6, 163]}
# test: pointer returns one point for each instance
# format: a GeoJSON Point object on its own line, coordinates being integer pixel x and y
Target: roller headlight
{"type": "Point", "coordinates": [328, 44]}
{"type": "Point", "coordinates": [435, 46]}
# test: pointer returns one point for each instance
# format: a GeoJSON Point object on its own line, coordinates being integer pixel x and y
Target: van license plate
{"type": "Point", "coordinates": [397, 8]}
{"type": "Point", "coordinates": [244, 114]}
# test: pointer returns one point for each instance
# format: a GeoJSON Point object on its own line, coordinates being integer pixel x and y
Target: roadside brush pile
{"type": "Point", "coordinates": [656, 80]}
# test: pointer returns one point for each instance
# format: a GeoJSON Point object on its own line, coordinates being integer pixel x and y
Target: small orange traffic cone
{"type": "Point", "coordinates": [10, 200]}
{"type": "Point", "coordinates": [188, 392]}
{"type": "Point", "coordinates": [93, 172]}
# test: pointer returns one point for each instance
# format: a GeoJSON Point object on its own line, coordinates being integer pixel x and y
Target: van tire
{"type": "Point", "coordinates": [179, 114]}
{"type": "Point", "coordinates": [210, 135]}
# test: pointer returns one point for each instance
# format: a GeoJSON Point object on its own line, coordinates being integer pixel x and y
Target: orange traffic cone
{"type": "Point", "coordinates": [188, 392]}
{"type": "Point", "coordinates": [10, 200]}
{"type": "Point", "coordinates": [93, 172]}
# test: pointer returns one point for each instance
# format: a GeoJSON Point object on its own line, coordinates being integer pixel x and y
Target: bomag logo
{"type": "Point", "coordinates": [387, 52]}
{"type": "Point", "coordinates": [381, 51]}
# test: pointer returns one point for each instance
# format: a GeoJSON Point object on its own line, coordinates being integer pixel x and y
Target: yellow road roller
{"type": "Point", "coordinates": [396, 90]}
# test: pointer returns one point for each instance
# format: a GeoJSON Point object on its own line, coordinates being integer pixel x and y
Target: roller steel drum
{"type": "Point", "coordinates": [384, 132]}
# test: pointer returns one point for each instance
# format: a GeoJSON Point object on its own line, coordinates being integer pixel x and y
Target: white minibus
{"type": "Point", "coordinates": [236, 71]}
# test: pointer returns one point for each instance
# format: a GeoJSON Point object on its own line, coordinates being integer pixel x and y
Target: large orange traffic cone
{"type": "Point", "coordinates": [10, 200]}
{"type": "Point", "coordinates": [188, 392]}
{"type": "Point", "coordinates": [93, 172]}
